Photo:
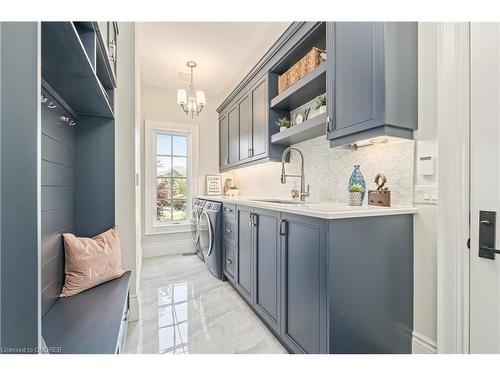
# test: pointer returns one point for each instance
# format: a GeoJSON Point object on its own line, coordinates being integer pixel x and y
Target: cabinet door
{"type": "Point", "coordinates": [303, 284]}
{"type": "Point", "coordinates": [234, 134]}
{"type": "Point", "coordinates": [244, 256]}
{"type": "Point", "coordinates": [260, 113]}
{"type": "Point", "coordinates": [267, 266]}
{"type": "Point", "coordinates": [330, 78]}
{"type": "Point", "coordinates": [223, 142]}
{"type": "Point", "coordinates": [245, 109]}
{"type": "Point", "coordinates": [354, 76]}
{"type": "Point", "coordinates": [103, 29]}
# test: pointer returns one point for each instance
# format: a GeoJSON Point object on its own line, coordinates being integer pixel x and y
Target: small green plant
{"type": "Point", "coordinates": [356, 188]}
{"type": "Point", "coordinates": [320, 100]}
{"type": "Point", "coordinates": [283, 122]}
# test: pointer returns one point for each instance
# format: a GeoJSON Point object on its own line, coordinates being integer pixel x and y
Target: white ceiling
{"type": "Point", "coordinates": [225, 52]}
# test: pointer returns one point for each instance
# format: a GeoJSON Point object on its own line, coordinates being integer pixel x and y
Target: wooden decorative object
{"type": "Point", "coordinates": [302, 67]}
{"type": "Point", "coordinates": [381, 196]}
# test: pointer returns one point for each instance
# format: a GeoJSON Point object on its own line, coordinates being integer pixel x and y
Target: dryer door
{"type": "Point", "coordinates": [206, 234]}
{"type": "Point", "coordinates": [195, 217]}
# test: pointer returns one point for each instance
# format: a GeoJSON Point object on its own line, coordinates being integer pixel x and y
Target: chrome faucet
{"type": "Point", "coordinates": [303, 193]}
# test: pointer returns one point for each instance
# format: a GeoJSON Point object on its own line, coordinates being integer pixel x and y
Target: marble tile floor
{"type": "Point", "coordinates": [184, 309]}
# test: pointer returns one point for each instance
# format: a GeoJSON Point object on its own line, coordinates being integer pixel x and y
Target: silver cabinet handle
{"type": "Point", "coordinates": [229, 261]}
{"type": "Point", "coordinates": [112, 50]}
{"type": "Point", "coordinates": [255, 220]}
{"type": "Point", "coordinates": [328, 124]}
{"type": "Point", "coordinates": [228, 230]}
{"type": "Point", "coordinates": [283, 227]}
{"type": "Point", "coordinates": [228, 210]}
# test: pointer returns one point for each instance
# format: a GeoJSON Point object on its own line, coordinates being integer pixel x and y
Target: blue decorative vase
{"type": "Point", "coordinates": [357, 178]}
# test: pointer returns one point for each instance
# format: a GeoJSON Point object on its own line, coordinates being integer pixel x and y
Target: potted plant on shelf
{"type": "Point", "coordinates": [321, 103]}
{"type": "Point", "coordinates": [356, 194]}
{"type": "Point", "coordinates": [283, 123]}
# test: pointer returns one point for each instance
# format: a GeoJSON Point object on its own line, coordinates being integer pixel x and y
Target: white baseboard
{"type": "Point", "coordinates": [133, 314]}
{"type": "Point", "coordinates": [422, 344]}
{"type": "Point", "coordinates": [167, 248]}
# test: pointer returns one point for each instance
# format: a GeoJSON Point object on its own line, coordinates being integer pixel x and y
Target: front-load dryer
{"type": "Point", "coordinates": [195, 225]}
{"type": "Point", "coordinates": [210, 225]}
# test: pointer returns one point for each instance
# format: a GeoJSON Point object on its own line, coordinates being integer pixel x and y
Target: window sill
{"type": "Point", "coordinates": [168, 229]}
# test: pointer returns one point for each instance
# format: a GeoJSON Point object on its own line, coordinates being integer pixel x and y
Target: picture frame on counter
{"type": "Point", "coordinates": [214, 184]}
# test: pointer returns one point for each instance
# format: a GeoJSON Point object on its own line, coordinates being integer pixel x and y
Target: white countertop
{"type": "Point", "coordinates": [324, 210]}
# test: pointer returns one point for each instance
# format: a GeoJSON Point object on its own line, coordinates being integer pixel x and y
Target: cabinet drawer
{"type": "Point", "coordinates": [229, 252]}
{"type": "Point", "coordinates": [230, 231]}
{"type": "Point", "coordinates": [229, 211]}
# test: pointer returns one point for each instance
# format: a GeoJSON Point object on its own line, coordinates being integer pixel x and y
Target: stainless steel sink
{"type": "Point", "coordinates": [280, 201]}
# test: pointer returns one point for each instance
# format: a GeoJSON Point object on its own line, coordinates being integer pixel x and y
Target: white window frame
{"type": "Point", "coordinates": [151, 129]}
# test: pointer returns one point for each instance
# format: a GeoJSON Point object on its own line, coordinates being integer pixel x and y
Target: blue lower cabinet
{"type": "Point", "coordinates": [328, 286]}
{"type": "Point", "coordinates": [267, 267]}
{"type": "Point", "coordinates": [370, 285]}
{"type": "Point", "coordinates": [303, 284]}
{"type": "Point", "coordinates": [244, 254]}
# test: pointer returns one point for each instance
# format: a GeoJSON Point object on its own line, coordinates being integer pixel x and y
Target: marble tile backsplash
{"type": "Point", "coordinates": [328, 170]}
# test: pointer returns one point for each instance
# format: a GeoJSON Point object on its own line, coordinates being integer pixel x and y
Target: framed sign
{"type": "Point", "coordinates": [214, 184]}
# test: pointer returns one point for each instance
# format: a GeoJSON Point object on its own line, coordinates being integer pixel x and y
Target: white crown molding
{"type": "Point", "coordinates": [453, 203]}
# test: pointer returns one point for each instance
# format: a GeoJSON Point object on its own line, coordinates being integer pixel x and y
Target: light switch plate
{"type": "Point", "coordinates": [427, 194]}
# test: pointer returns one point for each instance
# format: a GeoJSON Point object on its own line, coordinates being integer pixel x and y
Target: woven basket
{"type": "Point", "coordinates": [302, 67]}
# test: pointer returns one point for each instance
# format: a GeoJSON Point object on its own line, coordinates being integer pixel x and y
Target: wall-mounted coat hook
{"type": "Point", "coordinates": [49, 103]}
{"type": "Point", "coordinates": [67, 120]}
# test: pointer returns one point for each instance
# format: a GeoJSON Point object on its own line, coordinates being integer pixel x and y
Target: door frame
{"type": "Point", "coordinates": [453, 94]}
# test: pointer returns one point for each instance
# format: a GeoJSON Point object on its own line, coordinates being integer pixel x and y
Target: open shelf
{"type": "Point", "coordinates": [309, 129]}
{"type": "Point", "coordinates": [68, 69]}
{"type": "Point", "coordinates": [302, 91]}
{"type": "Point", "coordinates": [315, 38]}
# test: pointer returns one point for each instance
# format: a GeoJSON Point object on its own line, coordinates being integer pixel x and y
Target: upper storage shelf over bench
{"type": "Point", "coordinates": [70, 64]}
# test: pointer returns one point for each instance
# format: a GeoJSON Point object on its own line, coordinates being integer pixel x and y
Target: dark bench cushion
{"type": "Point", "coordinates": [88, 322]}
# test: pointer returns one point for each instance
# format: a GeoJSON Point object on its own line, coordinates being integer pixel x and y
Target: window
{"type": "Point", "coordinates": [170, 170]}
{"type": "Point", "coordinates": [171, 177]}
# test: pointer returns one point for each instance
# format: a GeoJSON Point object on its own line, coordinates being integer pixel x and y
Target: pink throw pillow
{"type": "Point", "coordinates": [90, 261]}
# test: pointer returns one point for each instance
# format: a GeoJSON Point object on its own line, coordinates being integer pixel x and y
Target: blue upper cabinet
{"type": "Point", "coordinates": [371, 81]}
{"type": "Point", "coordinates": [370, 78]}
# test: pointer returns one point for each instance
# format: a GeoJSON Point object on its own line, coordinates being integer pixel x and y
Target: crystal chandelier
{"type": "Point", "coordinates": [191, 101]}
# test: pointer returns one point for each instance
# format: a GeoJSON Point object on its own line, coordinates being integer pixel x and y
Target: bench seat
{"type": "Point", "coordinates": [91, 322]}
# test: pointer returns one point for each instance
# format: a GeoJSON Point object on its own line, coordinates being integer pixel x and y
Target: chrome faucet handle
{"type": "Point", "coordinates": [306, 193]}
